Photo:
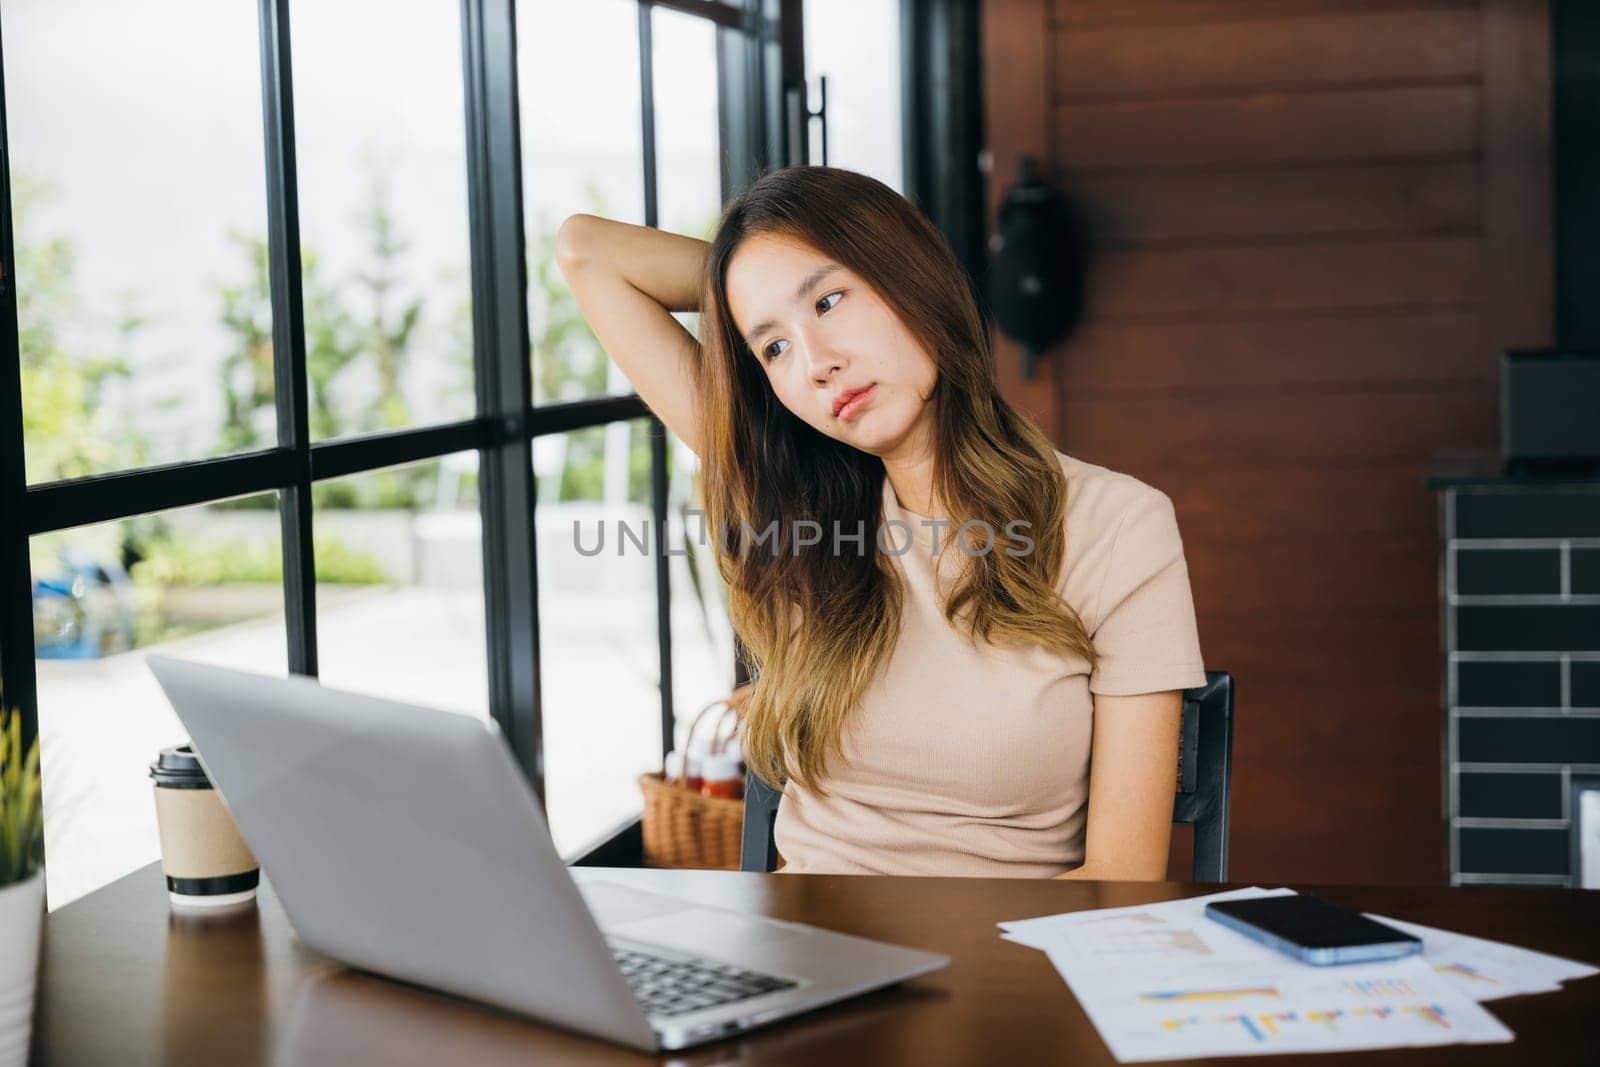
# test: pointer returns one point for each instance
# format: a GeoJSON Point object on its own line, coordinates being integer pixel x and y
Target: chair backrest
{"type": "Point", "coordinates": [1205, 777]}
{"type": "Point", "coordinates": [1204, 781]}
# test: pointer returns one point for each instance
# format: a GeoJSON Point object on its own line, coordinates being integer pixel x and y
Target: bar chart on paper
{"type": "Point", "coordinates": [1189, 996]}
{"type": "Point", "coordinates": [1466, 971]}
{"type": "Point", "coordinates": [1488, 970]}
{"type": "Point", "coordinates": [1164, 982]}
{"type": "Point", "coordinates": [1226, 1008]}
{"type": "Point", "coordinates": [1138, 935]}
{"type": "Point", "coordinates": [1264, 1027]}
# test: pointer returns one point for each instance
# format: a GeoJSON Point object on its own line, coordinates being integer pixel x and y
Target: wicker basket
{"type": "Point", "coordinates": [683, 828]}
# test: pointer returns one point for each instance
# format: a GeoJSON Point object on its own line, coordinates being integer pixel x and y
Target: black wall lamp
{"type": "Point", "coordinates": [1036, 265]}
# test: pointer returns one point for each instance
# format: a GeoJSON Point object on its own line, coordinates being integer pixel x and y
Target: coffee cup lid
{"type": "Point", "coordinates": [180, 768]}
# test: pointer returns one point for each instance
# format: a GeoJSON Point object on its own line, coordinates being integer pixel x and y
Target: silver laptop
{"type": "Point", "coordinates": [405, 840]}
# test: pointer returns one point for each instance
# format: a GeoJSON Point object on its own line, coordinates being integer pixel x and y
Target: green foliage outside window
{"type": "Point", "coordinates": [368, 321]}
{"type": "Point", "coordinates": [69, 430]}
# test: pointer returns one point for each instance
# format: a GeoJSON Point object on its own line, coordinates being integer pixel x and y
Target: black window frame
{"type": "Point", "coordinates": [759, 67]}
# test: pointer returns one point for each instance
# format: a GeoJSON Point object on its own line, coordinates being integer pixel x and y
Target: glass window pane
{"type": "Point", "coordinates": [139, 193]}
{"type": "Point", "coordinates": [702, 635]}
{"type": "Point", "coordinates": [865, 122]}
{"type": "Point", "coordinates": [582, 151]}
{"type": "Point", "coordinates": [688, 136]}
{"type": "Point", "coordinates": [688, 141]}
{"type": "Point", "coordinates": [400, 610]}
{"type": "Point", "coordinates": [597, 607]}
{"type": "Point", "coordinates": [202, 583]}
{"type": "Point", "coordinates": [383, 214]}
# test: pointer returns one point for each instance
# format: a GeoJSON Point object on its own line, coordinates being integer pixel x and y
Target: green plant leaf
{"type": "Point", "coordinates": [21, 806]}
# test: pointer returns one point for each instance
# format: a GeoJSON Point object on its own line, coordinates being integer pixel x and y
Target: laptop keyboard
{"type": "Point", "coordinates": [668, 986]}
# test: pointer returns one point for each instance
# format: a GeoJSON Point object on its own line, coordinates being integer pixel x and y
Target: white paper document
{"type": "Point", "coordinates": [1162, 981]}
{"type": "Point", "coordinates": [1488, 970]}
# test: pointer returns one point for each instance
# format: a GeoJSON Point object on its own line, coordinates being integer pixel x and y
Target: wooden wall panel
{"type": "Point", "coordinates": [1142, 209]}
{"type": "Point", "coordinates": [1305, 276]}
{"type": "Point", "coordinates": [1315, 51]}
{"type": "Point", "coordinates": [1262, 128]}
{"type": "Point", "coordinates": [1242, 506]}
{"type": "Point", "coordinates": [1266, 430]}
{"type": "Point", "coordinates": [1336, 775]}
{"type": "Point", "coordinates": [1305, 574]}
{"type": "Point", "coordinates": [1306, 351]}
{"type": "Point", "coordinates": [1316, 223]}
{"type": "Point", "coordinates": [1519, 297]}
{"type": "Point", "coordinates": [1199, 12]}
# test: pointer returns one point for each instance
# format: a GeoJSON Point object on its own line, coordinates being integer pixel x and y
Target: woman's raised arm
{"type": "Point", "coordinates": [627, 280]}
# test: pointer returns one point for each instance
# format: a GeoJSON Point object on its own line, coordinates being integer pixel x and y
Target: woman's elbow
{"type": "Point", "coordinates": [572, 239]}
{"type": "Point", "coordinates": [1141, 866]}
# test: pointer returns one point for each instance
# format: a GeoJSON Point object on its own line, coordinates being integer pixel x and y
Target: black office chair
{"type": "Point", "coordinates": [1205, 777]}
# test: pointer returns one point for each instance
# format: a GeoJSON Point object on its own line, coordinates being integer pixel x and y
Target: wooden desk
{"type": "Point", "coordinates": [126, 984]}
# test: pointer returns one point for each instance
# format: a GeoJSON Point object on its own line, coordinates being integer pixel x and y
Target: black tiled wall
{"type": "Point", "coordinates": [1514, 851]}
{"type": "Point", "coordinates": [1513, 511]}
{"type": "Point", "coordinates": [1522, 627]}
{"type": "Point", "coordinates": [1508, 570]}
{"type": "Point", "coordinates": [1542, 739]}
{"type": "Point", "coordinates": [1508, 685]}
{"type": "Point", "coordinates": [1586, 571]}
{"type": "Point", "coordinates": [1530, 628]}
{"type": "Point", "coordinates": [1510, 795]}
{"type": "Point", "coordinates": [1586, 685]}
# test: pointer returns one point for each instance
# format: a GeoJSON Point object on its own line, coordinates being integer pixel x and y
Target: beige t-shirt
{"type": "Point", "coordinates": [974, 760]}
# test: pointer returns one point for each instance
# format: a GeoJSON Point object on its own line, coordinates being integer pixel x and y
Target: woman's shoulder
{"type": "Point", "coordinates": [1098, 498]}
{"type": "Point", "coordinates": [1099, 502]}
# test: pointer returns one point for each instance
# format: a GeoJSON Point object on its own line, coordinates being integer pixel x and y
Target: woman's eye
{"type": "Point", "coordinates": [768, 352]}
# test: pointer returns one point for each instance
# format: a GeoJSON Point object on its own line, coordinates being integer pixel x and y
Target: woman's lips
{"type": "Point", "coordinates": [857, 401]}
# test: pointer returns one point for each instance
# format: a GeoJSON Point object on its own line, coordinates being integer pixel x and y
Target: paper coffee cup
{"type": "Point", "coordinates": [205, 859]}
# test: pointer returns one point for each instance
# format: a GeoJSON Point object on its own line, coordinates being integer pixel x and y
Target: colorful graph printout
{"type": "Point", "coordinates": [1489, 970]}
{"type": "Point", "coordinates": [1165, 982]}
{"type": "Point", "coordinates": [1188, 996]}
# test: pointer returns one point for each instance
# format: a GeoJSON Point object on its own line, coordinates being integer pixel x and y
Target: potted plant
{"type": "Point", "coordinates": [21, 886]}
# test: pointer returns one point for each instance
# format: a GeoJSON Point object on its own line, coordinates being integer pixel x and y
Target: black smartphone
{"type": "Point", "coordinates": [1312, 930]}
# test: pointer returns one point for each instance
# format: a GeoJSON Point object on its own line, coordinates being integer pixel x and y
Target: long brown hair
{"type": "Point", "coordinates": [817, 624]}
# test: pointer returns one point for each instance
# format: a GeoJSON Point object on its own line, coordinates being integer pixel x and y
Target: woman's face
{"type": "Point", "coordinates": [820, 332]}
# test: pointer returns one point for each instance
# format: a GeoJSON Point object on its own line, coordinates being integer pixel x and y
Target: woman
{"type": "Point", "coordinates": [936, 708]}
